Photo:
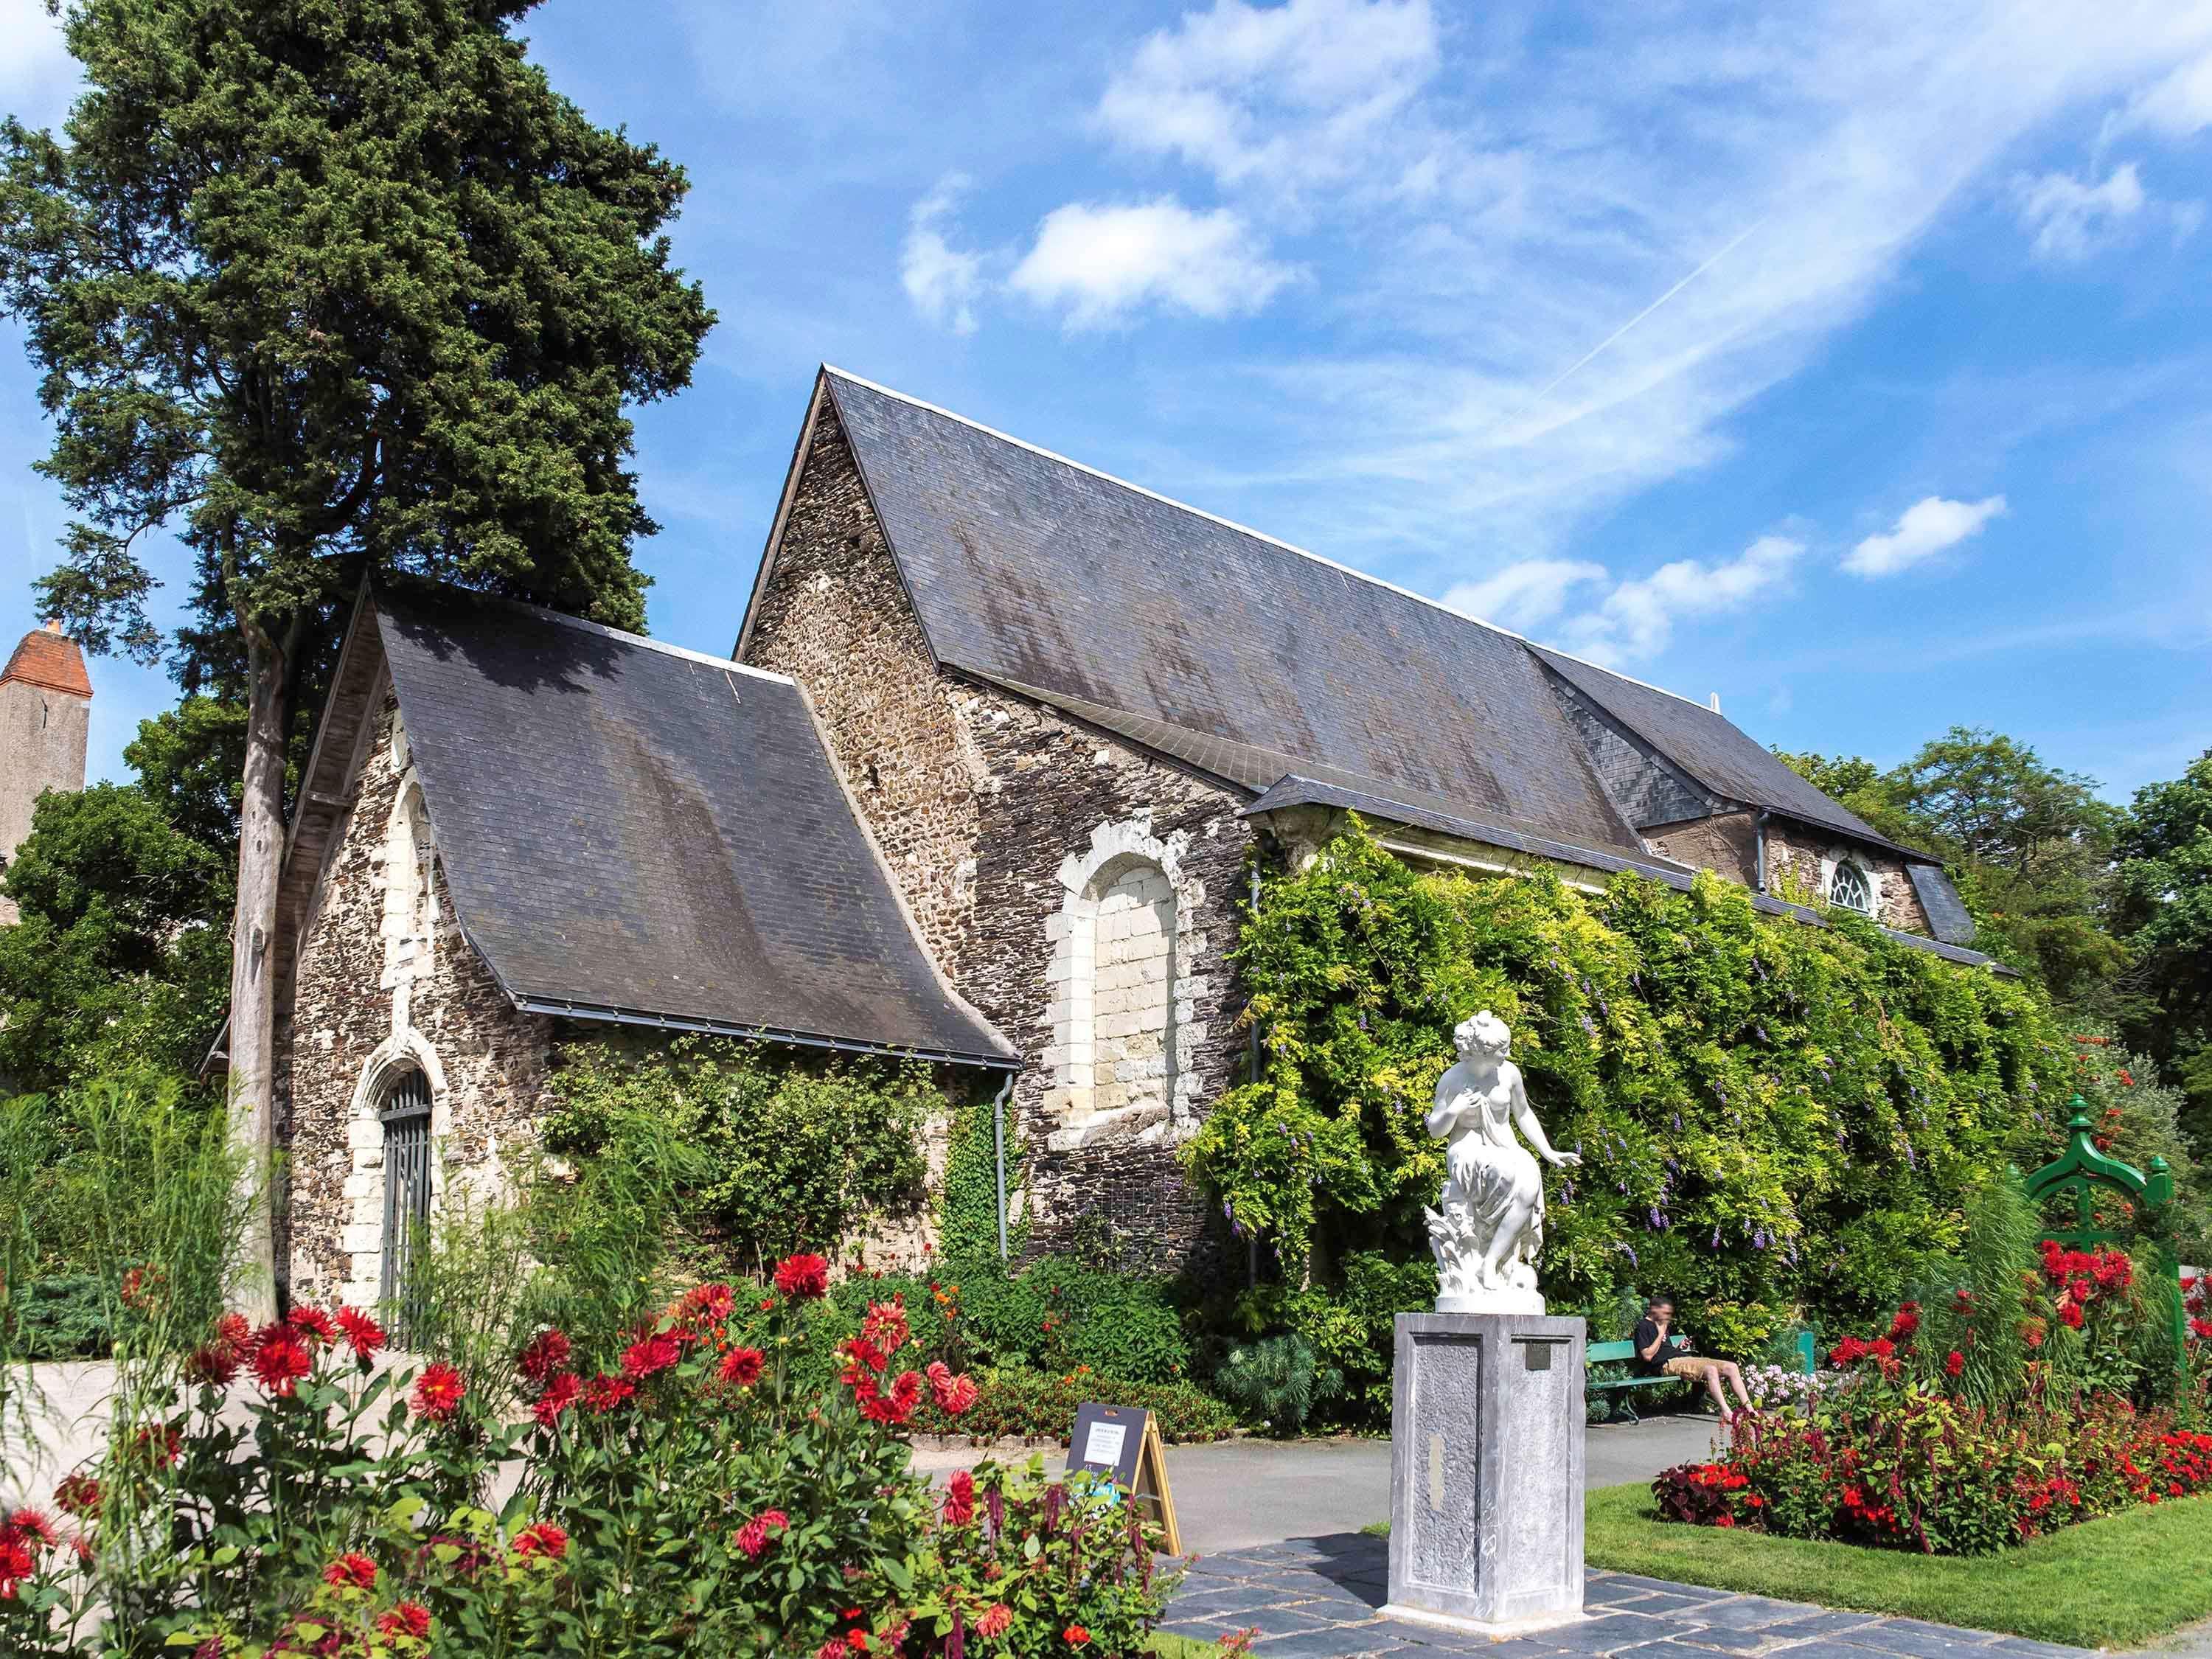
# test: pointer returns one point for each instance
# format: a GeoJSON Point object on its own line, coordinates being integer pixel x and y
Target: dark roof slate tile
{"type": "Point", "coordinates": [1030, 569]}
{"type": "Point", "coordinates": [631, 831]}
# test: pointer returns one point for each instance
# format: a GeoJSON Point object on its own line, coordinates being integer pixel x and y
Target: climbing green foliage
{"type": "Point", "coordinates": [968, 1199]}
{"type": "Point", "coordinates": [795, 1152]}
{"type": "Point", "coordinates": [1774, 1120]}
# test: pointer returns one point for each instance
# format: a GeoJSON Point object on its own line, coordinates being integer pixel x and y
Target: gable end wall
{"type": "Point", "coordinates": [979, 799]}
{"type": "Point", "coordinates": [341, 1017]}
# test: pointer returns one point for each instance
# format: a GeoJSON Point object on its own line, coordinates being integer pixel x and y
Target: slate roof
{"type": "Point", "coordinates": [634, 832]}
{"type": "Point", "coordinates": [49, 658]}
{"type": "Point", "coordinates": [1028, 569]}
{"type": "Point", "coordinates": [1299, 792]}
{"type": "Point", "coordinates": [1948, 916]}
{"type": "Point", "coordinates": [1250, 661]}
{"type": "Point", "coordinates": [1705, 744]}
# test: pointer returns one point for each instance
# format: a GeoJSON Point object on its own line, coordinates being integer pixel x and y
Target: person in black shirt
{"type": "Point", "coordinates": [1661, 1351]}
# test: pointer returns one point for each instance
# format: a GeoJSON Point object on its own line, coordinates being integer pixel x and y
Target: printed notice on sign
{"type": "Point", "coordinates": [1103, 1444]}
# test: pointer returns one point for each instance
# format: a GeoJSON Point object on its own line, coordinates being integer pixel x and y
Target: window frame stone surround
{"type": "Point", "coordinates": [362, 1238]}
{"type": "Point", "coordinates": [1078, 1004]}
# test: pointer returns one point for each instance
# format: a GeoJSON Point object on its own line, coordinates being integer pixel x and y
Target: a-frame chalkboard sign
{"type": "Point", "coordinates": [1123, 1444]}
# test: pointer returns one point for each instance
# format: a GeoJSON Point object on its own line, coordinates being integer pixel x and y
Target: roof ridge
{"type": "Point", "coordinates": [549, 614]}
{"type": "Point", "coordinates": [1246, 530]}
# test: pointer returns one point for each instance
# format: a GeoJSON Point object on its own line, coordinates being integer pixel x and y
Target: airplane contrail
{"type": "Point", "coordinates": [1732, 245]}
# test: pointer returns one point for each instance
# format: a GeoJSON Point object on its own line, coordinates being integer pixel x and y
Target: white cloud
{"type": "Point", "coordinates": [1525, 595]}
{"type": "Point", "coordinates": [1100, 262]}
{"type": "Point", "coordinates": [2178, 107]}
{"type": "Point", "coordinates": [37, 77]}
{"type": "Point", "coordinates": [1923, 530]}
{"type": "Point", "coordinates": [1288, 96]}
{"type": "Point", "coordinates": [2071, 219]}
{"type": "Point", "coordinates": [941, 280]}
{"type": "Point", "coordinates": [1550, 268]}
{"type": "Point", "coordinates": [1637, 618]}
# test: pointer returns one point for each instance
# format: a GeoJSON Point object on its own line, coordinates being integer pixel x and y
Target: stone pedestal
{"type": "Point", "coordinates": [1487, 1470]}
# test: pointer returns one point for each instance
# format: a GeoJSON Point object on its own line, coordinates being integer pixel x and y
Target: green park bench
{"type": "Point", "coordinates": [1613, 1392]}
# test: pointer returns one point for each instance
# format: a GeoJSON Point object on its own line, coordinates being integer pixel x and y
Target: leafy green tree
{"type": "Point", "coordinates": [120, 957]}
{"type": "Point", "coordinates": [2165, 912]}
{"type": "Point", "coordinates": [2029, 845]}
{"type": "Point", "coordinates": [331, 292]}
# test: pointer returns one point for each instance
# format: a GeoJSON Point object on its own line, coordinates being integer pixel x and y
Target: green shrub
{"type": "Point", "coordinates": [792, 1149]}
{"type": "Point", "coordinates": [1023, 1404]}
{"type": "Point", "coordinates": [63, 1317]}
{"type": "Point", "coordinates": [1277, 1381]}
{"type": "Point", "coordinates": [1778, 1122]}
{"type": "Point", "coordinates": [1056, 1313]}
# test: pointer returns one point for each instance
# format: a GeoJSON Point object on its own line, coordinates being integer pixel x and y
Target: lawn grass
{"type": "Point", "coordinates": [2116, 1582]}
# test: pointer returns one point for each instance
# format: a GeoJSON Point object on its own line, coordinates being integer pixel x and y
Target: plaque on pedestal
{"type": "Point", "coordinates": [1486, 1427]}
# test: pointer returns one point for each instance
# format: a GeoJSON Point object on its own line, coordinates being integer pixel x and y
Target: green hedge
{"type": "Point", "coordinates": [1776, 1120]}
{"type": "Point", "coordinates": [1021, 1404]}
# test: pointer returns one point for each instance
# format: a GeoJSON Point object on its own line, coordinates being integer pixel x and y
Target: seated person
{"type": "Point", "coordinates": [1660, 1352]}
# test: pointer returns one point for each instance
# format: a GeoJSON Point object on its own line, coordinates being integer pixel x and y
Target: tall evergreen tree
{"type": "Point", "coordinates": [327, 291]}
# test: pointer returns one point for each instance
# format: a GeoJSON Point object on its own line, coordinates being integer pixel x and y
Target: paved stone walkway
{"type": "Point", "coordinates": [1321, 1598]}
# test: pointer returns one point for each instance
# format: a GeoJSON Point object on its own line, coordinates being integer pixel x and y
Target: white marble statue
{"type": "Point", "coordinates": [1491, 1227]}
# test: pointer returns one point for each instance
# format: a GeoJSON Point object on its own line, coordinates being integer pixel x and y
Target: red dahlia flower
{"type": "Point", "coordinates": [439, 1391]}
{"type": "Point", "coordinates": [562, 1392]}
{"type": "Point", "coordinates": [407, 1618]}
{"type": "Point", "coordinates": [33, 1525]}
{"type": "Point", "coordinates": [362, 1335]}
{"type": "Point", "coordinates": [712, 1303]}
{"type": "Point", "coordinates": [543, 1355]}
{"type": "Point", "coordinates": [1953, 1363]}
{"type": "Point", "coordinates": [805, 1277]}
{"type": "Point", "coordinates": [544, 1540]}
{"type": "Point", "coordinates": [351, 1570]}
{"type": "Point", "coordinates": [884, 1327]}
{"type": "Point", "coordinates": [741, 1367]}
{"type": "Point", "coordinates": [603, 1393]}
{"type": "Point", "coordinates": [314, 1323]}
{"type": "Point", "coordinates": [1076, 1635]}
{"type": "Point", "coordinates": [281, 1358]}
{"type": "Point", "coordinates": [649, 1356]}
{"type": "Point", "coordinates": [960, 1499]}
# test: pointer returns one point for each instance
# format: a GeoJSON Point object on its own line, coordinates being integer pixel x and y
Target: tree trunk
{"type": "Point", "coordinates": [252, 988]}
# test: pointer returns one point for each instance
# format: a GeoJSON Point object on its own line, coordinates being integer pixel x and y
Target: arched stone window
{"type": "Point", "coordinates": [405, 1117]}
{"type": "Point", "coordinates": [1123, 1001]}
{"type": "Point", "coordinates": [399, 1115]}
{"type": "Point", "coordinates": [1850, 888]}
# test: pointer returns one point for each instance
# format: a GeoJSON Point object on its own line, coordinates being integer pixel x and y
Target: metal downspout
{"type": "Point", "coordinates": [999, 1151]}
{"type": "Point", "coordinates": [1759, 828]}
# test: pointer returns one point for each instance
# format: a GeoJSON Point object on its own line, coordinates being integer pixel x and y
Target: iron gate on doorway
{"type": "Point", "coordinates": [406, 1118]}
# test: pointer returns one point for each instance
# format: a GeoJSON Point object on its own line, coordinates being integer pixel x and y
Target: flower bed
{"type": "Point", "coordinates": [1902, 1447]}
{"type": "Point", "coordinates": [276, 1493]}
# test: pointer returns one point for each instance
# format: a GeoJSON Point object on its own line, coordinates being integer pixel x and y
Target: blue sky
{"type": "Point", "coordinates": [1853, 360]}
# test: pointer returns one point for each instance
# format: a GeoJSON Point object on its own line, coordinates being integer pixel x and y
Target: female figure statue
{"type": "Point", "coordinates": [1491, 1226]}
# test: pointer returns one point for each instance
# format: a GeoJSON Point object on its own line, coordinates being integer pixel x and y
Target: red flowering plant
{"type": "Point", "coordinates": [725, 1483]}
{"type": "Point", "coordinates": [1015, 1560]}
{"type": "Point", "coordinates": [244, 1477]}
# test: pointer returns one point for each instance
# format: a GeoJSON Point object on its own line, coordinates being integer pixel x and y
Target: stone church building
{"type": "Point", "coordinates": [984, 780]}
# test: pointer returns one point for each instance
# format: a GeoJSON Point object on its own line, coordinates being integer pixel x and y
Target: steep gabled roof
{"type": "Point", "coordinates": [1705, 744]}
{"type": "Point", "coordinates": [48, 658]}
{"type": "Point", "coordinates": [1027, 569]}
{"type": "Point", "coordinates": [634, 832]}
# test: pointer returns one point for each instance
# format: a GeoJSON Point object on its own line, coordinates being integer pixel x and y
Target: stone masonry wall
{"type": "Point", "coordinates": [1800, 856]}
{"type": "Point", "coordinates": [984, 803]}
{"type": "Point", "coordinates": [385, 979]}
{"type": "Point", "coordinates": [1726, 844]}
